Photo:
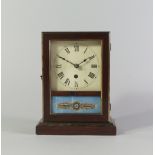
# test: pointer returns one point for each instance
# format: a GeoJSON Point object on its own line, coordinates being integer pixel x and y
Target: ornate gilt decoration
{"type": "Point", "coordinates": [75, 105]}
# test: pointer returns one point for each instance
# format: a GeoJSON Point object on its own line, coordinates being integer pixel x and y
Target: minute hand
{"type": "Point", "coordinates": [91, 57]}
{"type": "Point", "coordinates": [66, 60]}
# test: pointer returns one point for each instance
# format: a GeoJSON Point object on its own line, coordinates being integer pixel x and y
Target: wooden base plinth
{"type": "Point", "coordinates": [51, 128]}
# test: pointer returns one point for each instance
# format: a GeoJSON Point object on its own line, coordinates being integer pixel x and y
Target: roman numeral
{"type": "Point", "coordinates": [85, 81]}
{"type": "Point", "coordinates": [93, 65]}
{"type": "Point", "coordinates": [61, 75]}
{"type": "Point", "coordinates": [76, 84]}
{"type": "Point", "coordinates": [85, 50]}
{"type": "Point", "coordinates": [76, 46]}
{"type": "Point", "coordinates": [67, 50]}
{"type": "Point", "coordinates": [67, 82]}
{"type": "Point", "coordinates": [58, 66]}
{"type": "Point", "coordinates": [91, 57]}
{"type": "Point", "coordinates": [91, 75]}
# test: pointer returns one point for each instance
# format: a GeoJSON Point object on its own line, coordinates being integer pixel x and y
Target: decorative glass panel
{"type": "Point", "coordinates": [76, 105]}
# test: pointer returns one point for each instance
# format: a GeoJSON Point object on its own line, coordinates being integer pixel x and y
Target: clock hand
{"type": "Point", "coordinates": [67, 61]}
{"type": "Point", "coordinates": [61, 57]}
{"type": "Point", "coordinates": [91, 57]}
{"type": "Point", "coordinates": [82, 61]}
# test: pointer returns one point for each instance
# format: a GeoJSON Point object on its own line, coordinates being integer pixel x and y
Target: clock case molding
{"type": "Point", "coordinates": [79, 124]}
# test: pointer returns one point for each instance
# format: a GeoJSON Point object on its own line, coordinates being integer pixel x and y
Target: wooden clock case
{"type": "Point", "coordinates": [76, 124]}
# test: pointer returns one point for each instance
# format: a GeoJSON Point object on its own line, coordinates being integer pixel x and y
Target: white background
{"type": "Point", "coordinates": [130, 23]}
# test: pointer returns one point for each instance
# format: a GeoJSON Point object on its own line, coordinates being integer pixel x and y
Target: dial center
{"type": "Point", "coordinates": [75, 76]}
{"type": "Point", "coordinates": [76, 65]}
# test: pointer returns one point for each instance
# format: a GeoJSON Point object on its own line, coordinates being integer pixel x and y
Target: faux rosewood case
{"type": "Point", "coordinates": [70, 104]}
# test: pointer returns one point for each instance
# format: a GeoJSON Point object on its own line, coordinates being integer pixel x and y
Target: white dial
{"type": "Point", "coordinates": [76, 66]}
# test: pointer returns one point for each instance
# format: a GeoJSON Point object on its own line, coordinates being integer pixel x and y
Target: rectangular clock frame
{"type": "Point", "coordinates": [76, 123]}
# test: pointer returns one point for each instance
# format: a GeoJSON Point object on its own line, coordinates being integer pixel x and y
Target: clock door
{"type": "Point", "coordinates": [75, 66]}
{"type": "Point", "coordinates": [76, 77]}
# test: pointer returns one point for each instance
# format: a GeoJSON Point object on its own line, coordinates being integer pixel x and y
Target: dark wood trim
{"type": "Point", "coordinates": [75, 93]}
{"type": "Point", "coordinates": [107, 128]}
{"type": "Point", "coordinates": [77, 118]}
{"type": "Point", "coordinates": [105, 74]}
{"type": "Point", "coordinates": [74, 35]}
{"type": "Point", "coordinates": [46, 80]}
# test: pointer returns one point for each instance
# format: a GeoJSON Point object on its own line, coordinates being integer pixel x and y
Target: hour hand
{"type": "Point", "coordinates": [91, 57]}
{"type": "Point", "coordinates": [82, 61]}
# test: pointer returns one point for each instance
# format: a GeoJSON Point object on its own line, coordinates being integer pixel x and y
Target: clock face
{"type": "Point", "coordinates": [75, 65]}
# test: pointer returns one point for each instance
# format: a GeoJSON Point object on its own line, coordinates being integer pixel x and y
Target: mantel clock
{"type": "Point", "coordinates": [75, 78]}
